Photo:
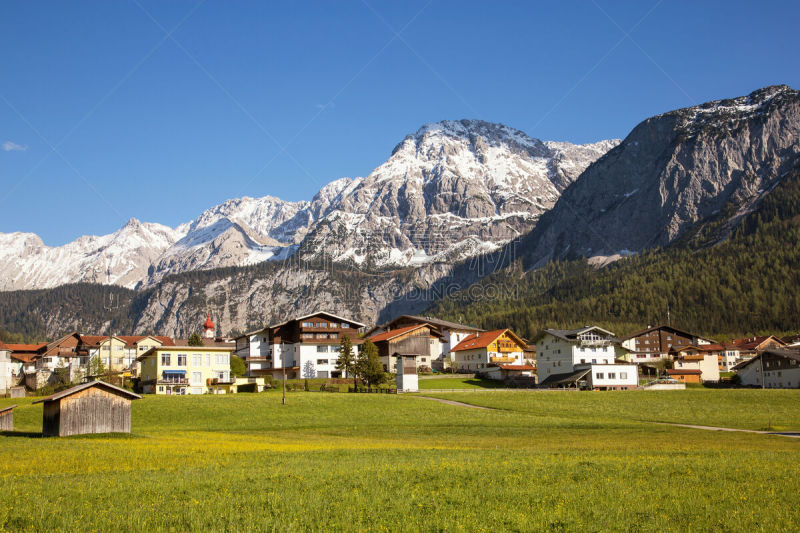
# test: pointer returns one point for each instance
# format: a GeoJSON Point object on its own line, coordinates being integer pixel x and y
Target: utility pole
{"type": "Point", "coordinates": [111, 308]}
{"type": "Point", "coordinates": [283, 400]}
{"type": "Point", "coordinates": [669, 322]}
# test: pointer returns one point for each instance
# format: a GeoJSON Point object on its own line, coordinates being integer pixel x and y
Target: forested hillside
{"type": "Point", "coordinates": [81, 306]}
{"type": "Point", "coordinates": [746, 284]}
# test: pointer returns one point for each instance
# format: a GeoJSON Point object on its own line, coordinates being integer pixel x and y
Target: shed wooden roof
{"type": "Point", "coordinates": [392, 333]}
{"type": "Point", "coordinates": [102, 384]}
{"type": "Point", "coordinates": [4, 409]}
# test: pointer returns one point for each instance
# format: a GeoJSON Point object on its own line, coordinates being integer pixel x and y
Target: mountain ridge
{"type": "Point", "coordinates": [465, 181]}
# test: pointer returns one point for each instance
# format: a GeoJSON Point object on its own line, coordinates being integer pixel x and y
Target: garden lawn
{"type": "Point", "coordinates": [384, 462]}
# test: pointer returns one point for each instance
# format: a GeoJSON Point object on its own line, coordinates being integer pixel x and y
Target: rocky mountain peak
{"type": "Point", "coordinates": [673, 171]}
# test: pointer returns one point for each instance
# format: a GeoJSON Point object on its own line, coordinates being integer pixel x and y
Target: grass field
{"type": "Point", "coordinates": [540, 460]}
{"type": "Point", "coordinates": [459, 383]}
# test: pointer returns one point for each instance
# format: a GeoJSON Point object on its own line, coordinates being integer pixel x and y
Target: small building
{"type": "Point", "coordinates": [449, 335]}
{"type": "Point", "coordinates": [7, 418]}
{"type": "Point", "coordinates": [6, 370]}
{"type": "Point", "coordinates": [94, 407]}
{"type": "Point", "coordinates": [685, 375]}
{"type": "Point", "coordinates": [504, 372]}
{"type": "Point", "coordinates": [406, 377]}
{"type": "Point", "coordinates": [692, 357]}
{"type": "Point", "coordinates": [410, 341]}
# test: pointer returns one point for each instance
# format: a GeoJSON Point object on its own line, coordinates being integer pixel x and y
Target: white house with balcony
{"type": "Point", "coordinates": [306, 346]}
{"type": "Point", "coordinates": [582, 358]}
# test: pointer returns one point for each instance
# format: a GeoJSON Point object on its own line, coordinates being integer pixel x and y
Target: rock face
{"type": "Point", "coordinates": [450, 191]}
{"type": "Point", "coordinates": [672, 172]}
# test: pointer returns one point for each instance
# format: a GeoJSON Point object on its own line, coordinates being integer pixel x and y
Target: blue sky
{"type": "Point", "coordinates": [159, 110]}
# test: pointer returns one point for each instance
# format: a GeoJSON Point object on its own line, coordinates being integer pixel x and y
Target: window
{"type": "Point", "coordinates": [594, 361]}
{"type": "Point", "coordinates": [424, 360]}
{"type": "Point", "coordinates": [197, 360]}
{"type": "Point", "coordinates": [345, 325]}
{"type": "Point", "coordinates": [583, 361]}
{"type": "Point", "coordinates": [322, 361]}
{"type": "Point", "coordinates": [308, 335]}
{"type": "Point", "coordinates": [181, 359]}
{"type": "Point", "coordinates": [221, 359]}
{"type": "Point", "coordinates": [612, 375]}
{"type": "Point", "coordinates": [208, 359]}
{"type": "Point", "coordinates": [166, 359]}
{"type": "Point", "coordinates": [161, 388]}
{"type": "Point", "coordinates": [599, 375]}
{"type": "Point", "coordinates": [321, 348]}
{"type": "Point", "coordinates": [623, 375]}
{"type": "Point", "coordinates": [335, 348]}
{"type": "Point", "coordinates": [117, 348]}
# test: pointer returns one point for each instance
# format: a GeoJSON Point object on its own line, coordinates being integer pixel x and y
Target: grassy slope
{"type": "Point", "coordinates": [338, 461]}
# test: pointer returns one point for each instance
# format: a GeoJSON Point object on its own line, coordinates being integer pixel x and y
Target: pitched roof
{"type": "Point", "coordinates": [25, 347]}
{"type": "Point", "coordinates": [441, 323]}
{"type": "Point", "coordinates": [482, 340]}
{"type": "Point", "coordinates": [9, 408]}
{"type": "Point", "coordinates": [102, 384]}
{"type": "Point", "coordinates": [786, 353]}
{"type": "Point", "coordinates": [753, 343]}
{"type": "Point", "coordinates": [565, 378]}
{"type": "Point", "coordinates": [663, 326]}
{"type": "Point", "coordinates": [136, 339]}
{"type": "Point", "coordinates": [570, 335]}
{"type": "Point", "coordinates": [337, 317]}
{"type": "Point", "coordinates": [392, 333]}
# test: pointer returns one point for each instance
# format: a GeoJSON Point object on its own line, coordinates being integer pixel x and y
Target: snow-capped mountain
{"type": "Point", "coordinates": [452, 190]}
{"type": "Point", "coordinates": [121, 258]}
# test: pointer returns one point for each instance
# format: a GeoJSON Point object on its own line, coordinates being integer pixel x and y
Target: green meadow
{"type": "Point", "coordinates": [534, 461]}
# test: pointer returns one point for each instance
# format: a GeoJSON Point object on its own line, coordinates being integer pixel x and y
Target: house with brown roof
{"type": "Point", "coordinates": [410, 342]}
{"type": "Point", "coordinates": [449, 333]}
{"type": "Point", "coordinates": [654, 342]}
{"type": "Point", "coordinates": [481, 351]}
{"type": "Point", "coordinates": [693, 357]}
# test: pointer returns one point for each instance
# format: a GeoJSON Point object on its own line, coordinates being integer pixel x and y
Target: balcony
{"type": "Point", "coordinates": [594, 342]}
{"type": "Point", "coordinates": [172, 381]}
{"type": "Point", "coordinates": [502, 359]}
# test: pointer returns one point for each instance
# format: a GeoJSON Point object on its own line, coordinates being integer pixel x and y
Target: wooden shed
{"type": "Point", "coordinates": [7, 418]}
{"type": "Point", "coordinates": [95, 407]}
